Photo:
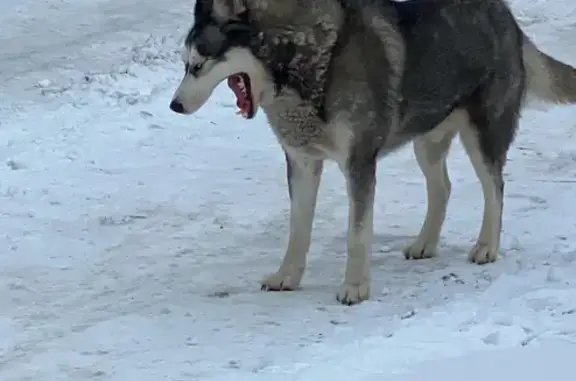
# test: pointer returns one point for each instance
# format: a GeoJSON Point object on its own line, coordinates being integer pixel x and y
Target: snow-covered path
{"type": "Point", "coordinates": [64, 39]}
{"type": "Point", "coordinates": [133, 241]}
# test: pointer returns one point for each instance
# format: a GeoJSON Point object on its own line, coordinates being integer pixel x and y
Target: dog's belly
{"type": "Point", "coordinates": [453, 123]}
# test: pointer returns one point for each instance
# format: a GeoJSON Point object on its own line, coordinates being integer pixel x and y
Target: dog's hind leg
{"type": "Point", "coordinates": [486, 142]}
{"type": "Point", "coordinates": [490, 175]}
{"type": "Point", "coordinates": [303, 182]}
{"type": "Point", "coordinates": [360, 173]}
{"type": "Point", "coordinates": [431, 151]}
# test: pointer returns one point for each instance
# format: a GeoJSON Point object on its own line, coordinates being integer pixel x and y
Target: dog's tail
{"type": "Point", "coordinates": [549, 80]}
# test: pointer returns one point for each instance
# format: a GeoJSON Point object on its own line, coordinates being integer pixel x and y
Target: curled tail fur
{"type": "Point", "coordinates": [548, 79]}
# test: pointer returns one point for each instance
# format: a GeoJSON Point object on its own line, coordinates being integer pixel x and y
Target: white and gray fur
{"type": "Point", "coordinates": [352, 80]}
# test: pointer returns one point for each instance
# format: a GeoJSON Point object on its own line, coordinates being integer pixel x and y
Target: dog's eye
{"type": "Point", "coordinates": [194, 69]}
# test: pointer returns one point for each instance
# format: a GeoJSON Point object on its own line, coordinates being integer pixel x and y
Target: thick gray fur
{"type": "Point", "coordinates": [353, 83]}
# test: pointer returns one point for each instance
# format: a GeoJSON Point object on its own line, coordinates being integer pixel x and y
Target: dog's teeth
{"type": "Point", "coordinates": [242, 113]}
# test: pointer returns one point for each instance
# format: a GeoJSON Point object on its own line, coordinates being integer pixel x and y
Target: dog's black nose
{"type": "Point", "coordinates": [177, 107]}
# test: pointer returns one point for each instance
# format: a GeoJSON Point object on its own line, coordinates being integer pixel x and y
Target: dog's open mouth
{"type": "Point", "coordinates": [240, 84]}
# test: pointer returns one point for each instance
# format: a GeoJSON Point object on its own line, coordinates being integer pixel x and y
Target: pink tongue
{"type": "Point", "coordinates": [234, 83]}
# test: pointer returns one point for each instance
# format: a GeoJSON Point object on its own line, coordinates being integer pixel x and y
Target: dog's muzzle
{"type": "Point", "coordinates": [177, 107]}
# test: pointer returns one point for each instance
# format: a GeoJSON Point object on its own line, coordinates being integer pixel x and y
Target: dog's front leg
{"type": "Point", "coordinates": [303, 180]}
{"type": "Point", "coordinates": [360, 172]}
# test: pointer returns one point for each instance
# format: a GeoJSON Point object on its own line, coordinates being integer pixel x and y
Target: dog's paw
{"type": "Point", "coordinates": [482, 253]}
{"type": "Point", "coordinates": [420, 249]}
{"type": "Point", "coordinates": [281, 281]}
{"type": "Point", "coordinates": [350, 294]}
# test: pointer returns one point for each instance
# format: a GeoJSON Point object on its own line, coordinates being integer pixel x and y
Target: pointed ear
{"type": "Point", "coordinates": [237, 33]}
{"type": "Point", "coordinates": [235, 27]}
{"type": "Point", "coordinates": [239, 10]}
{"type": "Point", "coordinates": [203, 9]}
{"type": "Point", "coordinates": [238, 7]}
{"type": "Point", "coordinates": [224, 10]}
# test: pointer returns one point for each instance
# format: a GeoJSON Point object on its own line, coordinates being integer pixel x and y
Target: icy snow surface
{"type": "Point", "coordinates": [133, 240]}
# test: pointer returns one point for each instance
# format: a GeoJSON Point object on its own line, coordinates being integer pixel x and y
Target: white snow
{"type": "Point", "coordinates": [133, 240]}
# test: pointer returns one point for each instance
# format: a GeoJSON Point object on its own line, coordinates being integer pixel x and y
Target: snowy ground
{"type": "Point", "coordinates": [133, 240]}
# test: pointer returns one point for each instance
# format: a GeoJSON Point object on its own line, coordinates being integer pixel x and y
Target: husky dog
{"type": "Point", "coordinates": [353, 80]}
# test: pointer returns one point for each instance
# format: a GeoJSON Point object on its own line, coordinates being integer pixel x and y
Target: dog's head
{"type": "Point", "coordinates": [218, 48]}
